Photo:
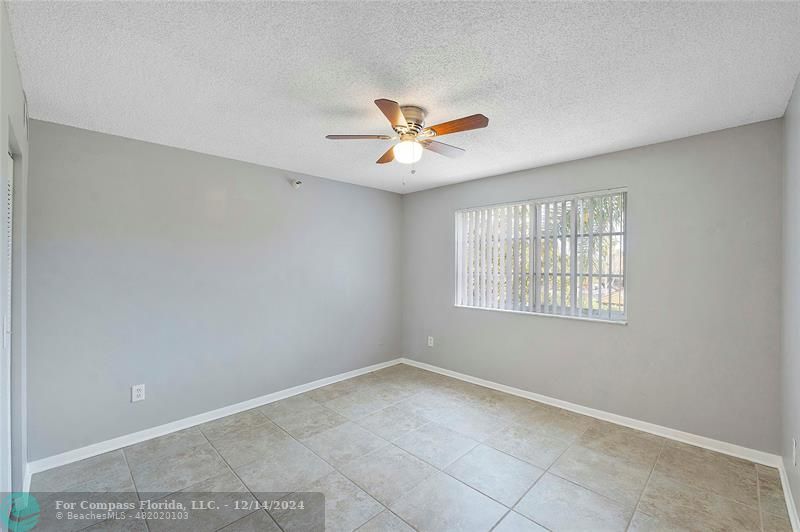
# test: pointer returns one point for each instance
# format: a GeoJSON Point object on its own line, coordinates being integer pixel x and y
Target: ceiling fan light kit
{"type": "Point", "coordinates": [408, 123]}
{"type": "Point", "coordinates": [407, 151]}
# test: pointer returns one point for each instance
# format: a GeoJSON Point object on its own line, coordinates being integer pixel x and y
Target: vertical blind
{"type": "Point", "coordinates": [562, 256]}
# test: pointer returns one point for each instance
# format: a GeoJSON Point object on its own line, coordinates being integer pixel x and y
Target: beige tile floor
{"type": "Point", "coordinates": [405, 449]}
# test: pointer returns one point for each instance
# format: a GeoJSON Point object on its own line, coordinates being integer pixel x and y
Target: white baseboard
{"type": "Point", "coordinates": [759, 457]}
{"type": "Point", "coordinates": [113, 444]}
{"type": "Point", "coordinates": [26, 479]}
{"type": "Point", "coordinates": [753, 455]}
{"type": "Point", "coordinates": [787, 493]}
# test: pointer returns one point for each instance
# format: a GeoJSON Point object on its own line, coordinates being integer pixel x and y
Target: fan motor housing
{"type": "Point", "coordinates": [415, 116]}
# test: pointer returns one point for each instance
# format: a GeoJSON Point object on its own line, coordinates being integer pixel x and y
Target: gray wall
{"type": "Point", "coordinates": [791, 289]}
{"type": "Point", "coordinates": [15, 140]}
{"type": "Point", "coordinates": [211, 281]}
{"type": "Point", "coordinates": [701, 350]}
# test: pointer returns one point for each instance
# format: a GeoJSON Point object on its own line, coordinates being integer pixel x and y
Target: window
{"type": "Point", "coordinates": [561, 256]}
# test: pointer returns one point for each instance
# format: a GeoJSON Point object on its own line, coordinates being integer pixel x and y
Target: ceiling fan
{"type": "Point", "coordinates": [408, 122]}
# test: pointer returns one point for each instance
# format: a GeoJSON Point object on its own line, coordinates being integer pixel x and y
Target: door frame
{"type": "Point", "coordinates": [6, 233]}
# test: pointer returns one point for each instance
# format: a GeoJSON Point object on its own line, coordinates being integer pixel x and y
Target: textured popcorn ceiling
{"type": "Point", "coordinates": [265, 82]}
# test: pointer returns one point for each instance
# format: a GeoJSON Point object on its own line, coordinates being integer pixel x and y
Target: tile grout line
{"type": "Point", "coordinates": [781, 516]}
{"type": "Point", "coordinates": [281, 428]}
{"type": "Point", "coordinates": [667, 440]}
{"type": "Point", "coordinates": [646, 483]}
{"type": "Point", "coordinates": [241, 481]}
{"type": "Point", "coordinates": [713, 491]}
{"type": "Point", "coordinates": [494, 526]}
{"type": "Point", "coordinates": [758, 498]}
{"type": "Point", "coordinates": [148, 461]}
{"type": "Point", "coordinates": [761, 511]}
{"type": "Point", "coordinates": [547, 470]}
{"type": "Point", "coordinates": [429, 422]}
{"type": "Point", "coordinates": [447, 474]}
{"type": "Point", "coordinates": [458, 399]}
{"type": "Point", "coordinates": [336, 469]}
{"type": "Point", "coordinates": [359, 486]}
{"type": "Point", "coordinates": [135, 490]}
{"type": "Point", "coordinates": [436, 468]}
{"type": "Point", "coordinates": [323, 403]}
{"type": "Point", "coordinates": [133, 481]}
{"type": "Point", "coordinates": [444, 471]}
{"type": "Point", "coordinates": [390, 443]}
{"type": "Point", "coordinates": [544, 472]}
{"type": "Point", "coordinates": [511, 422]}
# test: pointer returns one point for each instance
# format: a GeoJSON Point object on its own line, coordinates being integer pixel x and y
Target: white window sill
{"type": "Point", "coordinates": [545, 315]}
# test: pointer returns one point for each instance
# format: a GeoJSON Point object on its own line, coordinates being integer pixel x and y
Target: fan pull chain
{"type": "Point", "coordinates": [413, 171]}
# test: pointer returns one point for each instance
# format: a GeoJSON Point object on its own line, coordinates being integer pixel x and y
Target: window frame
{"type": "Point", "coordinates": [623, 320]}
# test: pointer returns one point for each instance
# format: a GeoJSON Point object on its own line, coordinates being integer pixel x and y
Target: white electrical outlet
{"type": "Point", "coordinates": [137, 393]}
{"type": "Point", "coordinates": [794, 451]}
{"type": "Point", "coordinates": [430, 341]}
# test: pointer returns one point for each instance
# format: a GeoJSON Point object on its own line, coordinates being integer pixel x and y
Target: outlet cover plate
{"type": "Point", "coordinates": [137, 393]}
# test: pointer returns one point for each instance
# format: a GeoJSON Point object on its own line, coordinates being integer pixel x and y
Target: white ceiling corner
{"type": "Point", "coordinates": [265, 82]}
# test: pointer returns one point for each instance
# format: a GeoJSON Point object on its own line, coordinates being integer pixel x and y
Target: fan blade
{"type": "Point", "coordinates": [392, 111]}
{"type": "Point", "coordinates": [358, 137]}
{"type": "Point", "coordinates": [443, 149]}
{"type": "Point", "coordinates": [387, 157]}
{"type": "Point", "coordinates": [460, 124]}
